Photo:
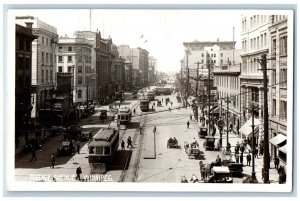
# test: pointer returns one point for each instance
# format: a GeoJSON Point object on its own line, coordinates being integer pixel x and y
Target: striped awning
{"type": "Point", "coordinates": [283, 149]}
{"type": "Point", "coordinates": [277, 140]}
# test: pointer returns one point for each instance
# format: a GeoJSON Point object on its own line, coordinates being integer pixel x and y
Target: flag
{"type": "Point", "coordinates": [145, 41]}
{"type": "Point", "coordinates": [141, 36]}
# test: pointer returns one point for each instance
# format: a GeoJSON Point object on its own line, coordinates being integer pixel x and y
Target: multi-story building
{"type": "Point", "coordinates": [224, 62]}
{"type": "Point", "coordinates": [152, 69]}
{"type": "Point", "coordinates": [75, 56]}
{"type": "Point", "coordinates": [139, 60]}
{"type": "Point", "coordinates": [95, 39]}
{"type": "Point", "coordinates": [255, 43]}
{"type": "Point", "coordinates": [128, 75]}
{"type": "Point", "coordinates": [43, 62]}
{"type": "Point", "coordinates": [23, 92]}
{"type": "Point", "coordinates": [278, 84]}
{"type": "Point", "coordinates": [117, 72]}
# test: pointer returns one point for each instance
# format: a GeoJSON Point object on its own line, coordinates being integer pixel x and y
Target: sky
{"type": "Point", "coordinates": [164, 30]}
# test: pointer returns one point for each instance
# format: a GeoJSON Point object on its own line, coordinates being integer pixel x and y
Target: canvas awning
{"type": "Point", "coordinates": [278, 139]}
{"type": "Point", "coordinates": [216, 110]}
{"type": "Point", "coordinates": [283, 149]}
{"type": "Point", "coordinates": [246, 129]}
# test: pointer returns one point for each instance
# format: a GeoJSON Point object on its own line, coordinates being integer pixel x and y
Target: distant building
{"type": "Point", "coordinates": [24, 100]}
{"type": "Point", "coordinates": [152, 70]}
{"type": "Point", "coordinates": [75, 56]}
{"type": "Point", "coordinates": [140, 65]}
{"type": "Point", "coordinates": [43, 62]}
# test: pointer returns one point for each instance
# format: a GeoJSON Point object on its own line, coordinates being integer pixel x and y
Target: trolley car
{"type": "Point", "coordinates": [124, 116]}
{"type": "Point", "coordinates": [102, 149]}
{"type": "Point", "coordinates": [150, 96]}
{"type": "Point", "coordinates": [144, 105]}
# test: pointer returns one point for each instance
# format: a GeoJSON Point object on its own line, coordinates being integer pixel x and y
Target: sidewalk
{"type": "Point", "coordinates": [247, 170]}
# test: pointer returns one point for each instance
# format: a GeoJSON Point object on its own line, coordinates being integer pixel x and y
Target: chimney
{"type": "Point", "coordinates": [29, 24]}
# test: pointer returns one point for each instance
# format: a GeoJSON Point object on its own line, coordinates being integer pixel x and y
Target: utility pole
{"type": "Point", "coordinates": [197, 81]}
{"type": "Point", "coordinates": [187, 77]}
{"type": "Point", "coordinates": [208, 98]}
{"type": "Point", "coordinates": [263, 63]}
{"type": "Point", "coordinates": [266, 117]}
{"type": "Point", "coordinates": [227, 112]}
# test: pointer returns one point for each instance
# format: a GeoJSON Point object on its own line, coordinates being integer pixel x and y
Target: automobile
{"type": "Point", "coordinates": [72, 132]}
{"type": "Point", "coordinates": [85, 136]}
{"type": "Point", "coordinates": [194, 152]}
{"type": "Point", "coordinates": [66, 148]}
{"type": "Point", "coordinates": [33, 144]}
{"type": "Point", "coordinates": [103, 114]}
{"type": "Point", "coordinates": [209, 144]}
{"type": "Point", "coordinates": [220, 174]}
{"type": "Point", "coordinates": [202, 132]}
{"type": "Point", "coordinates": [172, 143]}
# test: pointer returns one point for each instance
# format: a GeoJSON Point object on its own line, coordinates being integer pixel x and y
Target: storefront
{"type": "Point", "coordinates": [246, 131]}
{"type": "Point", "coordinates": [279, 146]}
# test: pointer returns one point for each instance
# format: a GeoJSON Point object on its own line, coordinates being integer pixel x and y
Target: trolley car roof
{"type": "Point", "coordinates": [104, 135]}
{"type": "Point", "coordinates": [124, 110]}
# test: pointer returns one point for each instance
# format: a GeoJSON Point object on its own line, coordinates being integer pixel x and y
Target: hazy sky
{"type": "Point", "coordinates": [164, 30]}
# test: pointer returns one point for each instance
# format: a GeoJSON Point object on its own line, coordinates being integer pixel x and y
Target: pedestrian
{"type": "Point", "coordinates": [134, 111]}
{"type": "Point", "coordinates": [242, 148]}
{"type": "Point", "coordinates": [78, 148]}
{"type": "Point", "coordinates": [256, 152]}
{"type": "Point", "coordinates": [241, 158]}
{"type": "Point", "coordinates": [141, 130]}
{"type": "Point", "coordinates": [129, 142]}
{"type": "Point", "coordinates": [276, 162]}
{"type": "Point", "coordinates": [78, 172]}
{"type": "Point", "coordinates": [154, 129]}
{"type": "Point", "coordinates": [52, 161]}
{"type": "Point", "coordinates": [123, 145]}
{"type": "Point", "coordinates": [237, 160]}
{"type": "Point", "coordinates": [33, 154]}
{"type": "Point", "coordinates": [171, 103]}
{"type": "Point", "coordinates": [191, 116]}
{"type": "Point", "coordinates": [248, 159]}
{"type": "Point", "coordinates": [188, 124]}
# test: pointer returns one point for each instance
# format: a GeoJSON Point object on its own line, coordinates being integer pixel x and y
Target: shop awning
{"type": "Point", "coordinates": [283, 149]}
{"type": "Point", "coordinates": [246, 129]}
{"type": "Point", "coordinates": [278, 139]}
{"type": "Point", "coordinates": [216, 110]}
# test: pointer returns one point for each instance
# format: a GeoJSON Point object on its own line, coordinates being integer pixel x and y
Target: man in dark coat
{"type": "Point", "coordinates": [33, 154]}
{"type": "Point", "coordinates": [188, 124]}
{"type": "Point", "coordinates": [241, 158]}
{"type": "Point", "coordinates": [78, 172]}
{"type": "Point", "coordinates": [52, 161]}
{"type": "Point", "coordinates": [276, 162]}
{"type": "Point", "coordinates": [248, 159]}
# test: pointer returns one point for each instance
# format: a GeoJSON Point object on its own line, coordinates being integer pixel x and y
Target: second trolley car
{"type": "Point", "coordinates": [144, 105]}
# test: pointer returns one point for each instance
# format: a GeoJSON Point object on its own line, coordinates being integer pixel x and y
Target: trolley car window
{"type": "Point", "coordinates": [106, 150]}
{"type": "Point", "coordinates": [91, 150]}
{"type": "Point", "coordinates": [99, 150]}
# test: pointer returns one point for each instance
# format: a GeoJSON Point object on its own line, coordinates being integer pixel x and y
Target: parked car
{"type": "Point", "coordinates": [33, 144]}
{"type": "Point", "coordinates": [103, 114]}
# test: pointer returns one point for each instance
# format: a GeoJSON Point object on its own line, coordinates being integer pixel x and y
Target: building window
{"type": "Point", "coordinates": [69, 58]}
{"type": "Point", "coordinates": [274, 107]}
{"type": "Point", "coordinates": [282, 110]}
{"type": "Point", "coordinates": [70, 69]}
{"type": "Point", "coordinates": [283, 77]}
{"type": "Point", "coordinates": [51, 76]}
{"type": "Point", "coordinates": [42, 57]}
{"type": "Point", "coordinates": [214, 55]}
{"type": "Point", "coordinates": [70, 49]}
{"type": "Point", "coordinates": [46, 76]}
{"type": "Point", "coordinates": [274, 77]}
{"type": "Point", "coordinates": [221, 61]}
{"type": "Point", "coordinates": [221, 54]}
{"type": "Point", "coordinates": [42, 75]}
{"type": "Point", "coordinates": [79, 79]}
{"type": "Point", "coordinates": [60, 69]}
{"type": "Point", "coordinates": [47, 58]}
{"type": "Point", "coordinates": [60, 48]}
{"type": "Point", "coordinates": [60, 59]}
{"type": "Point", "coordinates": [80, 59]}
{"type": "Point", "coordinates": [51, 58]}
{"type": "Point", "coordinates": [79, 69]}
{"type": "Point", "coordinates": [283, 45]}
{"type": "Point", "coordinates": [202, 54]}
{"type": "Point", "coordinates": [43, 40]}
{"type": "Point", "coordinates": [47, 41]}
{"type": "Point", "coordinates": [79, 93]}
{"type": "Point", "coordinates": [274, 47]}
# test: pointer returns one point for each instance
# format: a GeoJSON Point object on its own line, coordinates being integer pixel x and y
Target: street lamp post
{"type": "Point", "coordinates": [254, 180]}
{"type": "Point", "coordinates": [227, 129]}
